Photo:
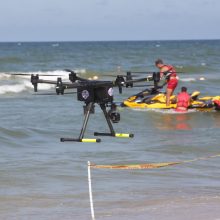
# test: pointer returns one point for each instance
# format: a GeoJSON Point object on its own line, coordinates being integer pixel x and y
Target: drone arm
{"type": "Point", "coordinates": [46, 81]}
{"type": "Point", "coordinates": [60, 86]}
{"type": "Point", "coordinates": [149, 78]}
{"type": "Point", "coordinates": [35, 80]}
{"type": "Point", "coordinates": [120, 82]}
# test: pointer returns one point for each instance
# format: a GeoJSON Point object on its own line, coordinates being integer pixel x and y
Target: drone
{"type": "Point", "coordinates": [98, 92]}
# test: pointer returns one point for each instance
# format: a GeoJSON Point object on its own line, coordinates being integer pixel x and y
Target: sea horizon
{"type": "Point", "coordinates": [79, 41]}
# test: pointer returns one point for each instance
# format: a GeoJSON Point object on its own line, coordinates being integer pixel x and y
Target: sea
{"type": "Point", "coordinates": [43, 178]}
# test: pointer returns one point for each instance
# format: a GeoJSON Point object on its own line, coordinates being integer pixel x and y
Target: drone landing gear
{"type": "Point", "coordinates": [112, 132]}
{"type": "Point", "coordinates": [89, 110]}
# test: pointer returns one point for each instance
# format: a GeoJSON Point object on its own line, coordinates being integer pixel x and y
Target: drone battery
{"type": "Point", "coordinates": [103, 94]}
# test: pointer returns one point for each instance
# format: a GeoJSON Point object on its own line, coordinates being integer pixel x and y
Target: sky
{"type": "Point", "coordinates": [103, 20]}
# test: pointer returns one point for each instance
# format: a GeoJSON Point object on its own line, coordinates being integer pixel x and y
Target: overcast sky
{"type": "Point", "coordinates": [89, 20]}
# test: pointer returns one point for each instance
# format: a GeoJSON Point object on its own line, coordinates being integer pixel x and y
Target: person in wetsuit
{"type": "Point", "coordinates": [170, 75]}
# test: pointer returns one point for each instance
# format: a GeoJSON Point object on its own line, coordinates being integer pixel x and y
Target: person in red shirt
{"type": "Point", "coordinates": [183, 100]}
{"type": "Point", "coordinates": [169, 73]}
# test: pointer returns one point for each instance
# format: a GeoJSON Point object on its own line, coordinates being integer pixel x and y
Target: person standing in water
{"type": "Point", "coordinates": [170, 75]}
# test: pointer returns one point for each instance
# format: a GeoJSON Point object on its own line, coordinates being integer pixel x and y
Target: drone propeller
{"type": "Point", "coordinates": [28, 74]}
{"type": "Point", "coordinates": [69, 70]}
{"type": "Point", "coordinates": [120, 81]}
{"type": "Point", "coordinates": [124, 75]}
{"type": "Point", "coordinates": [151, 72]}
{"type": "Point", "coordinates": [139, 72]}
{"type": "Point", "coordinates": [66, 93]}
{"type": "Point", "coordinates": [73, 77]}
{"type": "Point", "coordinates": [143, 86]}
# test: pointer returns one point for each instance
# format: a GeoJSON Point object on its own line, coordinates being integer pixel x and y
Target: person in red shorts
{"type": "Point", "coordinates": [183, 100]}
{"type": "Point", "coordinates": [170, 75]}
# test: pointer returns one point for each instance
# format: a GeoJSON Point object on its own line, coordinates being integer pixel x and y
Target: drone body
{"type": "Point", "coordinates": [91, 92]}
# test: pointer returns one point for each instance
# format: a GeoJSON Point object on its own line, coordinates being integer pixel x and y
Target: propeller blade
{"type": "Point", "coordinates": [151, 72]}
{"type": "Point", "coordinates": [111, 75]}
{"type": "Point", "coordinates": [142, 85]}
{"type": "Point", "coordinates": [66, 93]}
{"type": "Point", "coordinates": [44, 94]}
{"type": "Point", "coordinates": [69, 70]}
{"type": "Point", "coordinates": [140, 72]}
{"type": "Point", "coordinates": [28, 74]}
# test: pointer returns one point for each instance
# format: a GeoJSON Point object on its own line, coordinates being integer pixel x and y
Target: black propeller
{"type": "Point", "coordinates": [28, 74]}
{"type": "Point", "coordinates": [66, 93]}
{"type": "Point", "coordinates": [73, 77]}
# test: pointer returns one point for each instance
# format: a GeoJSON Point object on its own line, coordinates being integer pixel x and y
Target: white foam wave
{"type": "Point", "coordinates": [4, 76]}
{"type": "Point", "coordinates": [16, 88]}
{"type": "Point", "coordinates": [172, 111]}
{"type": "Point", "coordinates": [11, 83]}
{"type": "Point", "coordinates": [82, 71]}
{"type": "Point", "coordinates": [179, 67]}
{"type": "Point", "coordinates": [22, 87]}
{"type": "Point", "coordinates": [28, 85]}
{"type": "Point", "coordinates": [55, 45]}
{"type": "Point", "coordinates": [64, 74]}
{"type": "Point", "coordinates": [190, 79]}
{"type": "Point", "coordinates": [44, 75]}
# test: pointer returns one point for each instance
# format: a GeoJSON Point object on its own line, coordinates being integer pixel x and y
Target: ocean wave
{"type": "Point", "coordinates": [192, 79]}
{"type": "Point", "coordinates": [195, 69]}
{"type": "Point", "coordinates": [8, 133]}
{"type": "Point", "coordinates": [12, 83]}
{"type": "Point", "coordinates": [16, 88]}
{"type": "Point", "coordinates": [5, 76]}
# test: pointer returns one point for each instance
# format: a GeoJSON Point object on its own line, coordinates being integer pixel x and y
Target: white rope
{"type": "Point", "coordinates": [90, 192]}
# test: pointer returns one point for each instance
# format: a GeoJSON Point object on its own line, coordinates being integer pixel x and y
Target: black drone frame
{"type": "Point", "coordinates": [92, 92]}
{"type": "Point", "coordinates": [95, 92]}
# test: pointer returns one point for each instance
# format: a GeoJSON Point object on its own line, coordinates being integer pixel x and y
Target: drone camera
{"type": "Point", "coordinates": [113, 114]}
